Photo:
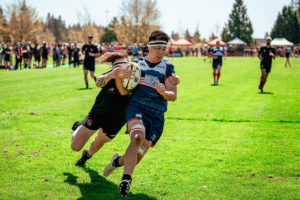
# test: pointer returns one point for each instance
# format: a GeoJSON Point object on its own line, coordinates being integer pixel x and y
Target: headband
{"type": "Point", "coordinates": [158, 43]}
{"type": "Point", "coordinates": [119, 63]}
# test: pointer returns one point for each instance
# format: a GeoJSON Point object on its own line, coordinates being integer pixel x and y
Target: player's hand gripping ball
{"type": "Point", "coordinates": [131, 83]}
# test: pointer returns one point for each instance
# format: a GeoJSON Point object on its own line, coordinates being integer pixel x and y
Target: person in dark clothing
{"type": "Point", "coordinates": [18, 53]}
{"type": "Point", "coordinates": [75, 55]}
{"type": "Point", "coordinates": [37, 53]}
{"type": "Point", "coordinates": [91, 52]}
{"type": "Point", "coordinates": [44, 54]}
{"type": "Point", "coordinates": [70, 49]}
{"type": "Point", "coordinates": [265, 54]}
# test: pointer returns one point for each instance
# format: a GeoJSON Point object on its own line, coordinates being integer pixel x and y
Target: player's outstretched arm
{"type": "Point", "coordinates": [168, 91]}
{"type": "Point", "coordinates": [103, 79]}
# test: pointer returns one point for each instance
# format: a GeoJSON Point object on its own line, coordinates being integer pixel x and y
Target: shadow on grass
{"type": "Point", "coordinates": [100, 188]}
{"type": "Point", "coordinates": [85, 89]}
{"type": "Point", "coordinates": [215, 85]}
{"type": "Point", "coordinates": [265, 93]}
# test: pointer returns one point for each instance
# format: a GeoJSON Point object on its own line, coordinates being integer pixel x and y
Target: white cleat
{"type": "Point", "coordinates": [217, 82]}
{"type": "Point", "coordinates": [124, 187]}
{"type": "Point", "coordinates": [110, 168]}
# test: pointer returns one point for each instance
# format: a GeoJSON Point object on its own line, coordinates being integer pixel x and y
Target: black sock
{"type": "Point", "coordinates": [116, 162]}
{"type": "Point", "coordinates": [25, 66]}
{"type": "Point", "coordinates": [126, 177]}
{"type": "Point", "coordinates": [87, 85]}
{"type": "Point", "coordinates": [87, 154]}
{"type": "Point", "coordinates": [95, 79]}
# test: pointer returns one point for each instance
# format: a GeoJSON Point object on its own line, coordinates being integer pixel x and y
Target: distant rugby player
{"type": "Point", "coordinates": [217, 53]}
{"type": "Point", "coordinates": [288, 52]}
{"type": "Point", "coordinates": [91, 52]}
{"type": "Point", "coordinates": [265, 55]}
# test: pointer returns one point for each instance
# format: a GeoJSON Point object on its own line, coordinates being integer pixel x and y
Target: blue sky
{"type": "Point", "coordinates": [176, 14]}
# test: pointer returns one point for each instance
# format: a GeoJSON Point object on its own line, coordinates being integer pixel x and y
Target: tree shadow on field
{"type": "Point", "coordinates": [265, 93]}
{"type": "Point", "coordinates": [85, 89]}
{"type": "Point", "coordinates": [99, 187]}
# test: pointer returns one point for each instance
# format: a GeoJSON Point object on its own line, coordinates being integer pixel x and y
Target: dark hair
{"type": "Point", "coordinates": [158, 35]}
{"type": "Point", "coordinates": [110, 57]}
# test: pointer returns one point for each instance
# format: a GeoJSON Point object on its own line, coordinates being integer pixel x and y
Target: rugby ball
{"type": "Point", "coordinates": [130, 84]}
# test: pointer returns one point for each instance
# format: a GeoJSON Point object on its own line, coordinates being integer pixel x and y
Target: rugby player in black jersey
{"type": "Point", "coordinates": [265, 54]}
{"type": "Point", "coordinates": [108, 112]}
{"type": "Point", "coordinates": [91, 52]}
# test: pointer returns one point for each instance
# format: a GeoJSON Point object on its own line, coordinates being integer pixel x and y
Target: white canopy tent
{"type": "Point", "coordinates": [236, 41]}
{"type": "Point", "coordinates": [281, 42]}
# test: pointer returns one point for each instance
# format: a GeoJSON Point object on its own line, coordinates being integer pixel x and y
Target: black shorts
{"type": "Point", "coordinates": [266, 66]}
{"type": "Point", "coordinates": [7, 58]}
{"type": "Point", "coordinates": [45, 57]}
{"type": "Point", "coordinates": [287, 55]}
{"type": "Point", "coordinates": [37, 58]}
{"type": "Point", "coordinates": [89, 66]}
{"type": "Point", "coordinates": [25, 56]}
{"type": "Point", "coordinates": [110, 126]}
{"type": "Point", "coordinates": [64, 55]}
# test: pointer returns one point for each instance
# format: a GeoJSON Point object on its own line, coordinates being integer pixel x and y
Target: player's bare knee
{"type": "Point", "coordinates": [75, 147]}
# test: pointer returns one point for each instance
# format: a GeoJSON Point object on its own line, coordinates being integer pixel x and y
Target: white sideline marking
{"type": "Point", "coordinates": [178, 138]}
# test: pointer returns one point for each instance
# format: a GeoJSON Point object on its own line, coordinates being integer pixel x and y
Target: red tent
{"type": "Point", "coordinates": [182, 42]}
{"type": "Point", "coordinates": [213, 42]}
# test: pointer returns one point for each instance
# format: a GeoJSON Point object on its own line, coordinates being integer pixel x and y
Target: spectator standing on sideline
{"type": "Point", "coordinates": [69, 50]}
{"type": "Point", "coordinates": [145, 49]}
{"type": "Point", "coordinates": [2, 54]}
{"type": "Point", "coordinates": [18, 53]}
{"type": "Point", "coordinates": [37, 52]}
{"type": "Point", "coordinates": [196, 50]}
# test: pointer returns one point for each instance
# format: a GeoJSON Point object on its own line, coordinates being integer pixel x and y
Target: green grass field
{"type": "Point", "coordinates": [219, 142]}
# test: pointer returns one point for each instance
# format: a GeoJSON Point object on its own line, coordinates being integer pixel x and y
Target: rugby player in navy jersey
{"type": "Point", "coordinates": [147, 106]}
{"type": "Point", "coordinates": [91, 52]}
{"type": "Point", "coordinates": [108, 112]}
{"type": "Point", "coordinates": [265, 54]}
{"type": "Point", "coordinates": [287, 56]}
{"type": "Point", "coordinates": [217, 53]}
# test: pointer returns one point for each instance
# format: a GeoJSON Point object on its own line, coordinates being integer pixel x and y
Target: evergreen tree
{"type": "Point", "coordinates": [174, 35]}
{"type": "Point", "coordinates": [239, 24]}
{"type": "Point", "coordinates": [196, 37]}
{"type": "Point", "coordinates": [287, 25]}
{"type": "Point", "coordinates": [187, 35]}
{"type": "Point", "coordinates": [57, 27]}
{"type": "Point", "coordinates": [109, 34]}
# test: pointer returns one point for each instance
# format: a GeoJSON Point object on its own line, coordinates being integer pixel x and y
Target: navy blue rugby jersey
{"type": "Point", "coordinates": [145, 92]}
{"type": "Point", "coordinates": [219, 52]}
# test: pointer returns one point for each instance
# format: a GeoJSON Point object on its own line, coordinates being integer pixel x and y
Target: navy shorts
{"type": "Point", "coordinates": [216, 64]}
{"type": "Point", "coordinates": [153, 120]}
{"type": "Point", "coordinates": [89, 66]}
{"type": "Point", "coordinates": [287, 55]}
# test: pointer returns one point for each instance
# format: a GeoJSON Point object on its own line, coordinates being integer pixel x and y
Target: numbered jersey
{"type": "Point", "coordinates": [145, 92]}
